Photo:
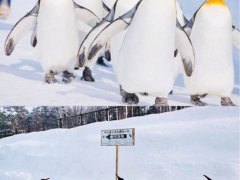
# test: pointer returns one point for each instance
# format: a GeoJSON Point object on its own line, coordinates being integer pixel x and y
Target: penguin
{"type": "Point", "coordinates": [108, 19]}
{"type": "Point", "coordinates": [145, 60]}
{"type": "Point", "coordinates": [101, 10]}
{"type": "Point", "coordinates": [236, 37]}
{"type": "Point", "coordinates": [88, 66]}
{"type": "Point", "coordinates": [93, 33]}
{"type": "Point", "coordinates": [53, 35]}
{"type": "Point", "coordinates": [212, 34]}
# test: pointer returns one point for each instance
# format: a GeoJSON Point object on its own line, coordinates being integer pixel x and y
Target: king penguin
{"type": "Point", "coordinates": [118, 8]}
{"type": "Point", "coordinates": [58, 38]}
{"type": "Point", "coordinates": [101, 10]}
{"type": "Point", "coordinates": [145, 60]}
{"type": "Point", "coordinates": [56, 34]}
{"type": "Point", "coordinates": [211, 33]}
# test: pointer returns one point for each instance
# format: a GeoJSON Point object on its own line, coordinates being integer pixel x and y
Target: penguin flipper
{"type": "Point", "coordinates": [180, 16]}
{"type": "Point", "coordinates": [20, 29]}
{"type": "Point", "coordinates": [106, 9]}
{"type": "Point", "coordinates": [236, 37]}
{"type": "Point", "coordinates": [185, 48]}
{"type": "Point", "coordinates": [117, 26]}
{"type": "Point", "coordinates": [107, 51]}
{"type": "Point", "coordinates": [103, 37]}
{"type": "Point", "coordinates": [188, 27]}
{"type": "Point", "coordinates": [86, 15]}
{"type": "Point", "coordinates": [34, 37]}
{"type": "Point", "coordinates": [92, 35]}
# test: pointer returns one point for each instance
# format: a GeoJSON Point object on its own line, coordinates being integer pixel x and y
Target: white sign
{"type": "Point", "coordinates": [118, 137]}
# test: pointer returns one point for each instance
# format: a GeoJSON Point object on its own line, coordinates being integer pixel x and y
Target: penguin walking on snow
{"type": "Point", "coordinates": [212, 34]}
{"type": "Point", "coordinates": [117, 10]}
{"type": "Point", "coordinates": [101, 10]}
{"type": "Point", "coordinates": [55, 33]}
{"type": "Point", "coordinates": [82, 60]}
{"type": "Point", "coordinates": [145, 60]}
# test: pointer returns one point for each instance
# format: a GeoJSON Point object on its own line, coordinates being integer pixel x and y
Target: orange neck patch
{"type": "Point", "coordinates": [215, 2]}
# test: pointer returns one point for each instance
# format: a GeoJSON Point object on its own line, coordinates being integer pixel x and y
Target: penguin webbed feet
{"type": "Point", "coordinates": [195, 99]}
{"type": "Point", "coordinates": [129, 98]}
{"type": "Point", "coordinates": [50, 78]}
{"type": "Point", "coordinates": [67, 77]}
{"type": "Point", "coordinates": [160, 101]}
{"type": "Point", "coordinates": [87, 75]}
{"type": "Point", "coordinates": [226, 101]}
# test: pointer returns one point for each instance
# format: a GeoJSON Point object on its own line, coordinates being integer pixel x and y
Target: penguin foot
{"type": "Point", "coordinates": [128, 97]}
{"type": "Point", "coordinates": [87, 75]}
{"type": "Point", "coordinates": [68, 77]}
{"type": "Point", "coordinates": [195, 99]}
{"type": "Point", "coordinates": [226, 101]}
{"type": "Point", "coordinates": [101, 62]}
{"type": "Point", "coordinates": [49, 78]}
{"type": "Point", "coordinates": [161, 101]}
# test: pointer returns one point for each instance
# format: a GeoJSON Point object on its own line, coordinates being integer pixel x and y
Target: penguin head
{"type": "Point", "coordinates": [215, 2]}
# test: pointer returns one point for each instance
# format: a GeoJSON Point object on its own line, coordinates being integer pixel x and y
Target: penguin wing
{"type": "Point", "coordinates": [111, 30]}
{"type": "Point", "coordinates": [92, 35]}
{"type": "Point", "coordinates": [109, 18]}
{"type": "Point", "coordinates": [20, 29]}
{"type": "Point", "coordinates": [180, 16]}
{"type": "Point", "coordinates": [185, 48]}
{"type": "Point", "coordinates": [34, 37]}
{"type": "Point", "coordinates": [236, 37]}
{"type": "Point", "coordinates": [86, 15]}
{"type": "Point", "coordinates": [106, 9]}
{"type": "Point", "coordinates": [107, 53]}
{"type": "Point", "coordinates": [188, 26]}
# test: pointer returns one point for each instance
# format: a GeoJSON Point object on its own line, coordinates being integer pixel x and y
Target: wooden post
{"type": "Point", "coordinates": [116, 162]}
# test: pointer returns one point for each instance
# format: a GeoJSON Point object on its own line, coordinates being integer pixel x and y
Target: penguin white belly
{"type": "Point", "coordinates": [212, 41]}
{"type": "Point", "coordinates": [58, 40]}
{"type": "Point", "coordinates": [145, 62]}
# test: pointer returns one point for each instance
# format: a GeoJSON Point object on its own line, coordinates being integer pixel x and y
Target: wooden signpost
{"type": "Point", "coordinates": [118, 137]}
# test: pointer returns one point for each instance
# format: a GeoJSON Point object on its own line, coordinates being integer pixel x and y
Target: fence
{"type": "Point", "coordinates": [106, 114]}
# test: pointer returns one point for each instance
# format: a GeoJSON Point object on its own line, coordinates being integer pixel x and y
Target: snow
{"type": "Point", "coordinates": [22, 76]}
{"type": "Point", "coordinates": [184, 144]}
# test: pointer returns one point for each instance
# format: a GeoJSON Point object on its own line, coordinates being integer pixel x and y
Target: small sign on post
{"type": "Point", "coordinates": [118, 137]}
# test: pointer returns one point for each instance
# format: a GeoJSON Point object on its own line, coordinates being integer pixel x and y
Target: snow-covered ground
{"type": "Point", "coordinates": [181, 145]}
{"type": "Point", "coordinates": [21, 75]}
